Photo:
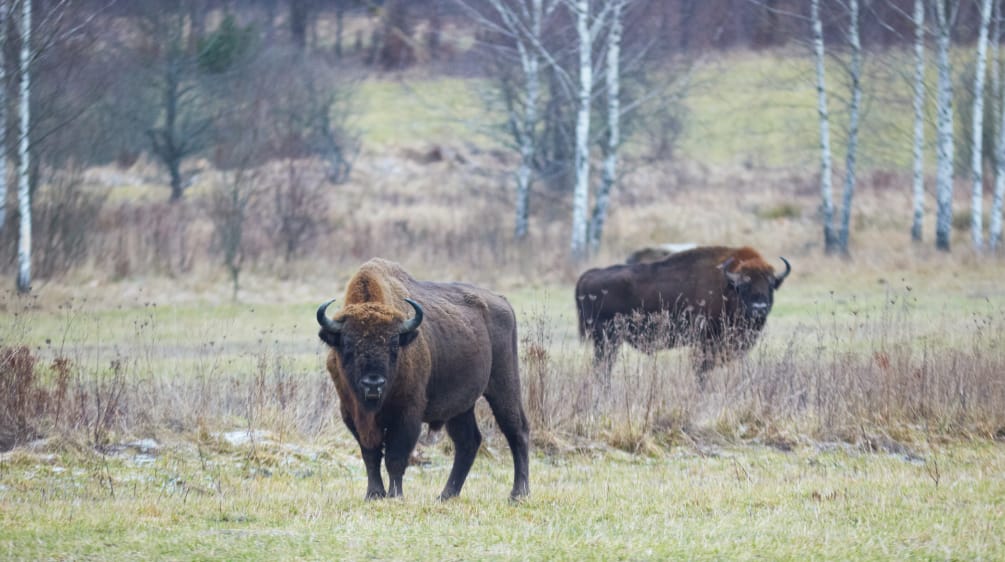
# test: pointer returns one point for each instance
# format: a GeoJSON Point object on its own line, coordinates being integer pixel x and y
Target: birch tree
{"type": "Point", "coordinates": [995, 224]}
{"type": "Point", "coordinates": [3, 115]}
{"type": "Point", "coordinates": [581, 191]}
{"type": "Point", "coordinates": [609, 173]}
{"type": "Point", "coordinates": [526, 131]}
{"type": "Point", "coordinates": [587, 28]}
{"type": "Point", "coordinates": [826, 190]}
{"type": "Point", "coordinates": [853, 118]}
{"type": "Point", "coordinates": [976, 152]}
{"type": "Point", "coordinates": [918, 180]}
{"type": "Point", "coordinates": [521, 24]}
{"type": "Point", "coordinates": [945, 17]}
{"type": "Point", "coordinates": [23, 191]}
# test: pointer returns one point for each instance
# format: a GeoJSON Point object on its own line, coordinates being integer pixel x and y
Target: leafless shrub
{"type": "Point", "coordinates": [230, 209]}
{"type": "Point", "coordinates": [149, 238]}
{"type": "Point", "coordinates": [19, 396]}
{"type": "Point", "coordinates": [297, 211]}
{"type": "Point", "coordinates": [64, 211]}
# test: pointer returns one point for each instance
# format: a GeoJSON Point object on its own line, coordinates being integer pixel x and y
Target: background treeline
{"type": "Point", "coordinates": [252, 106]}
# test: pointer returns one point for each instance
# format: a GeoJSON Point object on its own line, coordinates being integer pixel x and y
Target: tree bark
{"type": "Point", "coordinates": [944, 126]}
{"type": "Point", "coordinates": [826, 191]}
{"type": "Point", "coordinates": [530, 60]}
{"type": "Point", "coordinates": [299, 14]}
{"type": "Point", "coordinates": [976, 151]}
{"type": "Point", "coordinates": [581, 193]}
{"type": "Point", "coordinates": [3, 115]}
{"type": "Point", "coordinates": [995, 223]}
{"type": "Point", "coordinates": [918, 185]}
{"type": "Point", "coordinates": [853, 117]}
{"type": "Point", "coordinates": [609, 172]}
{"type": "Point", "coordinates": [24, 163]}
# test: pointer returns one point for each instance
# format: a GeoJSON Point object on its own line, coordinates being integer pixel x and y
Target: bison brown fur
{"type": "Point", "coordinates": [716, 299]}
{"type": "Point", "coordinates": [405, 352]}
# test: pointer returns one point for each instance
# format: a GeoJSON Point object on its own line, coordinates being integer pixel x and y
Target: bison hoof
{"type": "Point", "coordinates": [448, 493]}
{"type": "Point", "coordinates": [519, 494]}
{"type": "Point", "coordinates": [375, 495]}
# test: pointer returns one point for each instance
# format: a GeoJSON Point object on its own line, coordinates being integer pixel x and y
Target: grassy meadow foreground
{"type": "Point", "coordinates": [270, 500]}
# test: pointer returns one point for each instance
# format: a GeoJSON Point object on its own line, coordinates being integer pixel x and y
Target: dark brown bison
{"type": "Point", "coordinates": [714, 298]}
{"type": "Point", "coordinates": [393, 372]}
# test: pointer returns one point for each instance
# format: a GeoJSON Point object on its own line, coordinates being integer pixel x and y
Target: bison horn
{"type": "Point", "coordinates": [788, 270]}
{"type": "Point", "coordinates": [411, 324]}
{"type": "Point", "coordinates": [327, 323]}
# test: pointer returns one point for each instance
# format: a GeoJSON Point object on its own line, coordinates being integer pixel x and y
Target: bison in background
{"type": "Point", "coordinates": [716, 299]}
{"type": "Point", "coordinates": [392, 372]}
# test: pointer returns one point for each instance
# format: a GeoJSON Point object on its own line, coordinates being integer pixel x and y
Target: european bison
{"type": "Point", "coordinates": [714, 298]}
{"type": "Point", "coordinates": [392, 372]}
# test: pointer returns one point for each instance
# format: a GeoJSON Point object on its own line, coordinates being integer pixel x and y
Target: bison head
{"type": "Point", "coordinates": [755, 285]}
{"type": "Point", "coordinates": [367, 340]}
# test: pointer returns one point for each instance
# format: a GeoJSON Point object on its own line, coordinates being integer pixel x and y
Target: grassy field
{"type": "Point", "coordinates": [271, 500]}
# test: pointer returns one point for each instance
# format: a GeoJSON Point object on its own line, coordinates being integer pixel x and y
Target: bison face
{"type": "Point", "coordinates": [756, 296]}
{"type": "Point", "coordinates": [367, 341]}
{"type": "Point", "coordinates": [756, 288]}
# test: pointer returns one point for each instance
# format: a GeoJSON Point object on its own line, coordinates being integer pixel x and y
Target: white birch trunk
{"type": "Point", "coordinates": [827, 203]}
{"type": "Point", "coordinates": [23, 191]}
{"type": "Point", "coordinates": [853, 117]}
{"type": "Point", "coordinates": [3, 116]}
{"type": "Point", "coordinates": [944, 129]}
{"type": "Point", "coordinates": [918, 187]}
{"type": "Point", "coordinates": [977, 139]}
{"type": "Point", "coordinates": [530, 60]}
{"type": "Point", "coordinates": [609, 172]}
{"type": "Point", "coordinates": [581, 193]}
{"type": "Point", "coordinates": [995, 223]}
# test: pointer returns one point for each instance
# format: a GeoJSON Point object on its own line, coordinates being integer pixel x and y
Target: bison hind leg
{"type": "Point", "coordinates": [512, 422]}
{"type": "Point", "coordinates": [705, 358]}
{"type": "Point", "coordinates": [463, 431]}
{"type": "Point", "coordinates": [606, 344]}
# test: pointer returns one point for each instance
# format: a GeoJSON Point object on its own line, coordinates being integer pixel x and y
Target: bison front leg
{"type": "Point", "coordinates": [463, 430]}
{"type": "Point", "coordinates": [371, 459]}
{"type": "Point", "coordinates": [400, 441]}
{"type": "Point", "coordinates": [374, 481]}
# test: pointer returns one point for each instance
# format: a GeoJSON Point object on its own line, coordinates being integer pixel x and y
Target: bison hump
{"type": "Point", "coordinates": [474, 300]}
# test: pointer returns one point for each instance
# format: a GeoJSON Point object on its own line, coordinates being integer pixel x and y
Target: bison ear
{"type": "Point", "coordinates": [407, 338]}
{"type": "Point", "coordinates": [733, 278]}
{"type": "Point", "coordinates": [333, 339]}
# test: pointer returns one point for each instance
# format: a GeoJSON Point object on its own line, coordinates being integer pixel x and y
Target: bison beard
{"type": "Point", "coordinates": [716, 299]}
{"type": "Point", "coordinates": [392, 372]}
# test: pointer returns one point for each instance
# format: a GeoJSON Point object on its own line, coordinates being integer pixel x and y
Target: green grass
{"type": "Point", "coordinates": [735, 504]}
{"type": "Point", "coordinates": [416, 112]}
{"type": "Point", "coordinates": [758, 108]}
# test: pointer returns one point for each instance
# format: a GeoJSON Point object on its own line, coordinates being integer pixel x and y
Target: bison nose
{"type": "Point", "coordinates": [372, 386]}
